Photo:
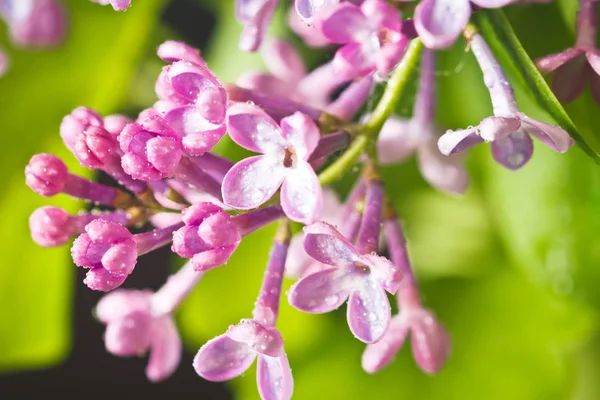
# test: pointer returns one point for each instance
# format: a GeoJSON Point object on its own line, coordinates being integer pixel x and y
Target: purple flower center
{"type": "Point", "coordinates": [288, 157]}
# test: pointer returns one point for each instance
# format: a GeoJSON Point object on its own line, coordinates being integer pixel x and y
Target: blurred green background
{"type": "Point", "coordinates": [512, 268]}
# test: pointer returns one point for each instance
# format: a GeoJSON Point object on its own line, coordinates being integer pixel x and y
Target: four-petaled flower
{"type": "Point", "coordinates": [372, 38]}
{"type": "Point", "coordinates": [358, 278]}
{"type": "Point", "coordinates": [286, 149]}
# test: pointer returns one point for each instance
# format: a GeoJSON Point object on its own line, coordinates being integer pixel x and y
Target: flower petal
{"type": "Point", "coordinates": [378, 355]}
{"type": "Point", "coordinates": [301, 194]}
{"type": "Point", "coordinates": [446, 173]}
{"type": "Point", "coordinates": [492, 3]}
{"type": "Point", "coordinates": [252, 181]}
{"type": "Point", "coordinates": [260, 338]}
{"type": "Point", "coordinates": [429, 341]}
{"type": "Point", "coordinates": [274, 378]}
{"type": "Point", "coordinates": [570, 79]}
{"type": "Point", "coordinates": [256, 28]}
{"type": "Point", "coordinates": [345, 25]}
{"type": "Point", "coordinates": [513, 151]}
{"type": "Point", "coordinates": [300, 131]}
{"type": "Point", "coordinates": [368, 312]}
{"type": "Point", "coordinates": [453, 142]}
{"type": "Point", "coordinates": [494, 128]}
{"type": "Point", "coordinates": [553, 136]}
{"type": "Point", "coordinates": [440, 22]}
{"type": "Point", "coordinates": [283, 61]}
{"type": "Point", "coordinates": [222, 358]}
{"type": "Point", "coordinates": [165, 349]}
{"type": "Point", "coordinates": [551, 62]}
{"type": "Point", "coordinates": [352, 61]}
{"type": "Point", "coordinates": [322, 291]}
{"type": "Point", "coordinates": [250, 127]}
{"type": "Point", "coordinates": [325, 244]}
{"type": "Point", "coordinates": [593, 57]}
{"type": "Point", "coordinates": [397, 141]}
{"type": "Point", "coordinates": [384, 271]}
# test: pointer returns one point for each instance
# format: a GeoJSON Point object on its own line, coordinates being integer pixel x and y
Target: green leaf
{"type": "Point", "coordinates": [497, 30]}
{"type": "Point", "coordinates": [92, 68]}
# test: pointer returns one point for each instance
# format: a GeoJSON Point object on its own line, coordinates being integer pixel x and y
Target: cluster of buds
{"type": "Point", "coordinates": [202, 204]}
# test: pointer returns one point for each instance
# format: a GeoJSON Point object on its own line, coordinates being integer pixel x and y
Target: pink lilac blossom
{"type": "Point", "coordinates": [110, 251]}
{"type": "Point", "coordinates": [440, 22]}
{"type": "Point", "coordinates": [575, 67]}
{"type": "Point", "coordinates": [356, 274]}
{"type": "Point", "coordinates": [232, 353]}
{"type": "Point", "coordinates": [371, 35]}
{"type": "Point", "coordinates": [256, 17]}
{"type": "Point", "coordinates": [34, 23]}
{"type": "Point", "coordinates": [509, 129]}
{"type": "Point", "coordinates": [400, 138]}
{"type": "Point", "coordinates": [429, 340]}
{"type": "Point", "coordinates": [285, 150]}
{"type": "Point", "coordinates": [118, 5]}
{"type": "Point", "coordinates": [138, 321]}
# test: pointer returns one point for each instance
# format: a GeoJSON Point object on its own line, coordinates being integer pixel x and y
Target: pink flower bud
{"type": "Point", "coordinates": [46, 174]}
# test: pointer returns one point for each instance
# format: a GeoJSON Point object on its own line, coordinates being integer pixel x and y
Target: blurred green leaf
{"type": "Point", "coordinates": [497, 30]}
{"type": "Point", "coordinates": [93, 68]}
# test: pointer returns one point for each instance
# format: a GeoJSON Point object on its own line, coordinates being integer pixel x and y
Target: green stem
{"type": "Point", "coordinates": [367, 140]}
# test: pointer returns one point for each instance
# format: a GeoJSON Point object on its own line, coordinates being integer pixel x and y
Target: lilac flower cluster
{"type": "Point", "coordinates": [172, 182]}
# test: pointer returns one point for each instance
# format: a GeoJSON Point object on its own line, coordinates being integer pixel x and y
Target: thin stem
{"type": "Point", "coordinates": [368, 234]}
{"type": "Point", "coordinates": [587, 24]}
{"type": "Point", "coordinates": [175, 290]}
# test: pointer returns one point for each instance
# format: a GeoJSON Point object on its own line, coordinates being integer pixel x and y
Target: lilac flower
{"type": "Point", "coordinates": [48, 176]}
{"type": "Point", "coordinates": [288, 77]}
{"type": "Point", "coordinates": [194, 103]}
{"type": "Point", "coordinates": [574, 68]}
{"type": "Point", "coordinates": [508, 129]}
{"type": "Point", "coordinates": [210, 235]}
{"type": "Point", "coordinates": [52, 226]}
{"type": "Point", "coordinates": [358, 278]}
{"type": "Point", "coordinates": [440, 22]}
{"type": "Point", "coordinates": [400, 138]}
{"type": "Point", "coordinates": [307, 9]}
{"type": "Point", "coordinates": [310, 33]}
{"type": "Point", "coordinates": [34, 23]}
{"type": "Point", "coordinates": [430, 341]}
{"type": "Point", "coordinates": [152, 150]}
{"type": "Point", "coordinates": [93, 141]}
{"type": "Point", "coordinates": [232, 353]}
{"type": "Point", "coordinates": [256, 17]}
{"type": "Point", "coordinates": [138, 321]}
{"type": "Point", "coordinates": [118, 5]}
{"type": "Point", "coordinates": [172, 51]}
{"type": "Point", "coordinates": [286, 149]}
{"type": "Point", "coordinates": [371, 35]}
{"type": "Point", "coordinates": [110, 251]}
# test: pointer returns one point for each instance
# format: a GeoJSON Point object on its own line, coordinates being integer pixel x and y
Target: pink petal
{"type": "Point", "coordinates": [322, 291]}
{"type": "Point", "coordinates": [378, 355]}
{"type": "Point", "coordinates": [326, 245]}
{"type": "Point", "coordinates": [453, 142]}
{"type": "Point", "coordinates": [551, 62]}
{"type": "Point", "coordinates": [165, 350]}
{"type": "Point", "coordinates": [513, 151]}
{"type": "Point", "coordinates": [430, 342]}
{"type": "Point", "coordinates": [266, 83]}
{"type": "Point", "coordinates": [252, 181]}
{"type": "Point", "coordinates": [130, 335]}
{"type": "Point", "coordinates": [256, 28]}
{"type": "Point", "coordinates": [446, 173]}
{"type": "Point", "coordinates": [354, 60]}
{"type": "Point", "coordinates": [260, 338]}
{"type": "Point", "coordinates": [283, 60]}
{"type": "Point", "coordinates": [553, 136]}
{"type": "Point", "coordinates": [250, 127]}
{"type": "Point", "coordinates": [297, 260]}
{"type": "Point", "coordinates": [384, 271]}
{"type": "Point", "coordinates": [494, 128]}
{"type": "Point", "coordinates": [345, 25]}
{"type": "Point", "coordinates": [117, 304]}
{"type": "Point", "coordinates": [301, 194]}
{"type": "Point", "coordinates": [492, 3]}
{"type": "Point", "coordinates": [368, 312]}
{"type": "Point", "coordinates": [397, 141]}
{"type": "Point", "coordinates": [301, 132]}
{"type": "Point", "coordinates": [593, 57]}
{"type": "Point", "coordinates": [222, 358]}
{"type": "Point", "coordinates": [120, 258]}
{"type": "Point", "coordinates": [274, 378]}
{"type": "Point", "coordinates": [570, 79]}
{"type": "Point", "coordinates": [440, 22]}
